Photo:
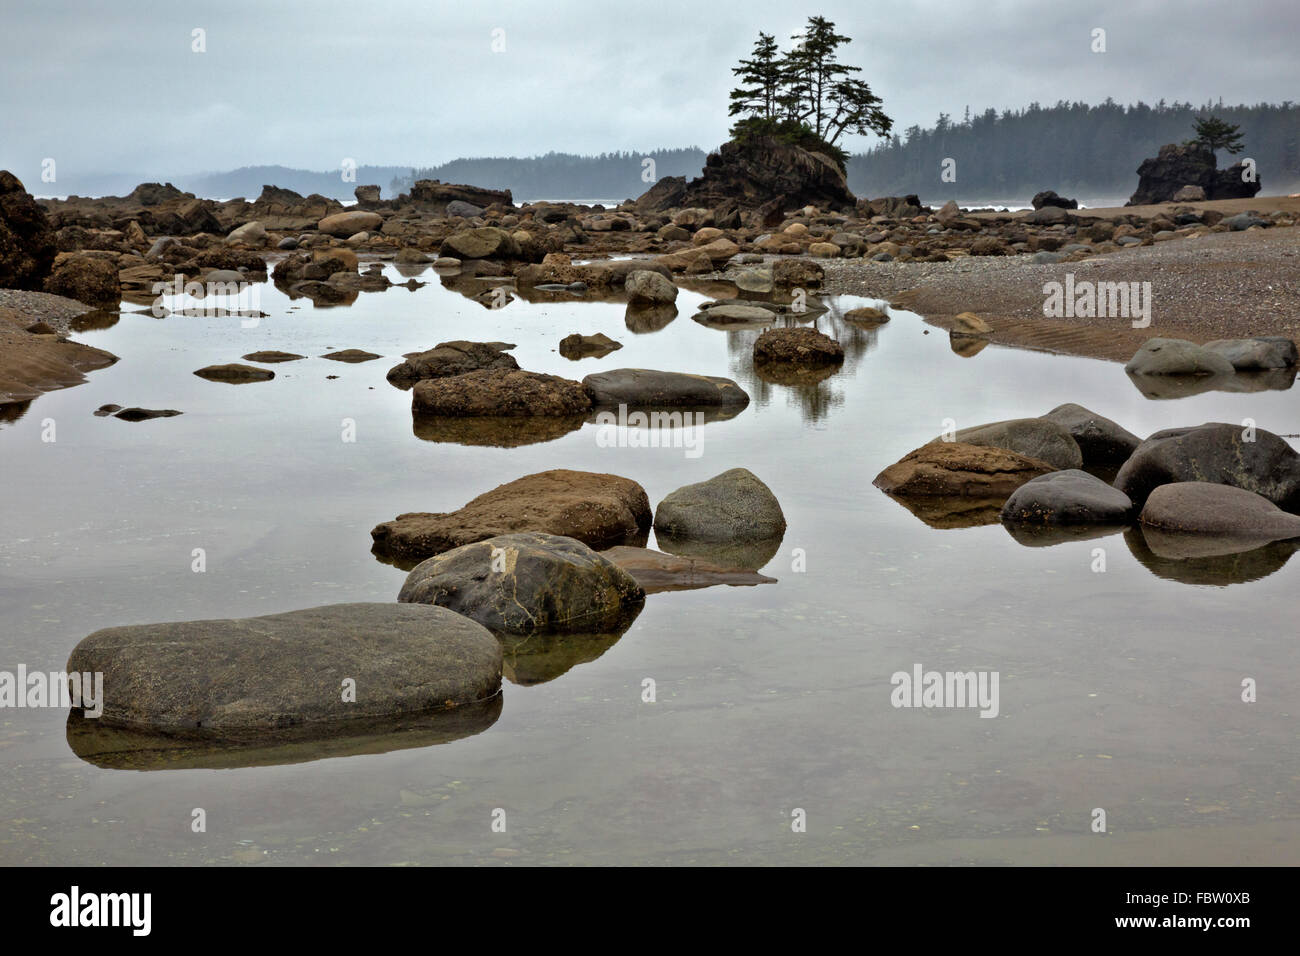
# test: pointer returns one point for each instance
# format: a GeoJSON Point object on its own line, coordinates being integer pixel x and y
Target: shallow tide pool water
{"type": "Point", "coordinates": [1120, 689]}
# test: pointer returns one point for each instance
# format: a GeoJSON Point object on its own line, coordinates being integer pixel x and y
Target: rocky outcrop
{"type": "Point", "coordinates": [1048, 197]}
{"type": "Point", "coordinates": [755, 173]}
{"type": "Point", "coordinates": [598, 510]}
{"type": "Point", "coordinates": [86, 278]}
{"type": "Point", "coordinates": [528, 583]}
{"type": "Point", "coordinates": [27, 240]}
{"type": "Point", "coordinates": [1178, 166]}
{"type": "Point", "coordinates": [431, 195]}
{"type": "Point", "coordinates": [238, 679]}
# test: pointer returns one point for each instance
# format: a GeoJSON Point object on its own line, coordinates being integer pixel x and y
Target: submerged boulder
{"type": "Point", "coordinates": [1067, 497]}
{"type": "Point", "coordinates": [1199, 507]}
{"type": "Point", "coordinates": [1161, 356]}
{"type": "Point", "coordinates": [500, 393]}
{"type": "Point", "coordinates": [526, 583]}
{"type": "Point", "coordinates": [734, 506]}
{"type": "Point", "coordinates": [1249, 458]}
{"type": "Point", "coordinates": [1257, 354]}
{"type": "Point", "coordinates": [244, 677]}
{"type": "Point", "coordinates": [649, 388]}
{"type": "Point", "coordinates": [598, 510]}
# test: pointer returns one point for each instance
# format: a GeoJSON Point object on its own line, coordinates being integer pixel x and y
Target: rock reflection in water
{"type": "Point", "coordinates": [120, 748]}
{"type": "Point", "coordinates": [946, 511]}
{"type": "Point", "coordinates": [496, 432]}
{"type": "Point", "coordinates": [748, 555]}
{"type": "Point", "coordinates": [1185, 386]}
{"type": "Point", "coordinates": [1047, 535]}
{"type": "Point", "coordinates": [1205, 559]}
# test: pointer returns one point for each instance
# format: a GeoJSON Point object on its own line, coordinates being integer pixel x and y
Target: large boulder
{"type": "Point", "coordinates": [797, 272]}
{"type": "Point", "coordinates": [1253, 459]}
{"type": "Point", "coordinates": [1100, 440]}
{"type": "Point", "coordinates": [644, 286]}
{"type": "Point", "coordinates": [345, 224]}
{"type": "Point", "coordinates": [1200, 507]}
{"type": "Point", "coordinates": [598, 510]}
{"type": "Point", "coordinates": [649, 388]}
{"type": "Point", "coordinates": [1160, 356]}
{"type": "Point", "coordinates": [1257, 354]}
{"type": "Point", "coordinates": [500, 393]}
{"type": "Point", "coordinates": [1067, 497]}
{"type": "Point", "coordinates": [452, 358]}
{"type": "Point", "coordinates": [85, 278]}
{"type": "Point", "coordinates": [945, 468]}
{"type": "Point", "coordinates": [1032, 437]}
{"type": "Point", "coordinates": [734, 506]}
{"type": "Point", "coordinates": [484, 242]}
{"type": "Point", "coordinates": [241, 678]}
{"type": "Point", "coordinates": [528, 583]}
{"type": "Point", "coordinates": [27, 239]}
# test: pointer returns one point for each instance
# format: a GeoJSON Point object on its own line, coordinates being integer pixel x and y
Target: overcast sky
{"type": "Point", "coordinates": [115, 87]}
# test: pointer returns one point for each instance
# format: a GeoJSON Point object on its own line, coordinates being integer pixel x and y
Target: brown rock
{"type": "Point", "coordinates": [956, 468]}
{"type": "Point", "coordinates": [597, 509]}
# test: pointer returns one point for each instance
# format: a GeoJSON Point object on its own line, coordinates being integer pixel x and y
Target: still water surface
{"type": "Point", "coordinates": [1118, 690]}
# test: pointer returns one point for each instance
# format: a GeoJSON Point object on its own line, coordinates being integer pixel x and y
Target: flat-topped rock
{"type": "Point", "coordinates": [960, 469]}
{"type": "Point", "coordinates": [597, 509]}
{"type": "Point", "coordinates": [500, 393]}
{"type": "Point", "coordinates": [649, 388]}
{"type": "Point", "coordinates": [238, 678]}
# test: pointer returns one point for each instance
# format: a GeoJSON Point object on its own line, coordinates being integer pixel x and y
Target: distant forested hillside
{"type": "Point", "coordinates": [1069, 147]}
{"type": "Point", "coordinates": [564, 175]}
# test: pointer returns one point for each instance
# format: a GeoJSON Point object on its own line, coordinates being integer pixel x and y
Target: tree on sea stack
{"type": "Point", "coordinates": [805, 96]}
{"type": "Point", "coordinates": [1214, 134]}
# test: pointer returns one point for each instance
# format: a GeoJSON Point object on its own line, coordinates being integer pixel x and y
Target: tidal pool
{"type": "Point", "coordinates": [1120, 690]}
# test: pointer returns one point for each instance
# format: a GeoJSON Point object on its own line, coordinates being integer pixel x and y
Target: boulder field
{"type": "Point", "coordinates": [1225, 483]}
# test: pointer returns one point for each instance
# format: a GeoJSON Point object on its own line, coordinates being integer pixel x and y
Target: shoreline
{"type": "Point", "coordinates": [1220, 285]}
